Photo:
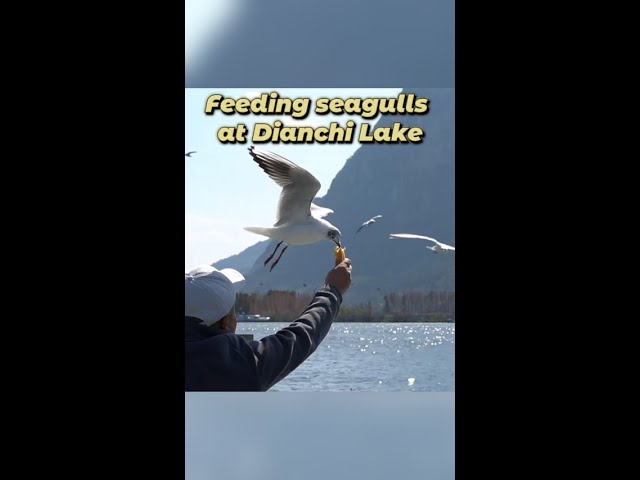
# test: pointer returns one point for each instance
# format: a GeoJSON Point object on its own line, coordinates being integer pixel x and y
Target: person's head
{"type": "Point", "coordinates": [210, 296]}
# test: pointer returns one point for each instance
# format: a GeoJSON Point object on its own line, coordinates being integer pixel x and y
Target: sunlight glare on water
{"type": "Point", "coordinates": [347, 360]}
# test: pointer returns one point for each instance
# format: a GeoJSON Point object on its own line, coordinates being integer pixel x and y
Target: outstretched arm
{"type": "Point", "coordinates": [279, 354]}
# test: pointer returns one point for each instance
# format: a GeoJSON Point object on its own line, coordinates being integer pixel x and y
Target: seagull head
{"type": "Point", "coordinates": [334, 235]}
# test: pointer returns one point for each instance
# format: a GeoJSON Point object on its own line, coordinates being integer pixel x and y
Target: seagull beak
{"type": "Point", "coordinates": [337, 242]}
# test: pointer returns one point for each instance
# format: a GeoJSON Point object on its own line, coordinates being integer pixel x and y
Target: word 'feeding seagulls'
{"type": "Point", "coordinates": [368, 222]}
{"type": "Point", "coordinates": [439, 247]}
{"type": "Point", "coordinates": [298, 220]}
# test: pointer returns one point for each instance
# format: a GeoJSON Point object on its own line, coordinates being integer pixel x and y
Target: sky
{"type": "Point", "coordinates": [225, 190]}
{"type": "Point", "coordinates": [203, 19]}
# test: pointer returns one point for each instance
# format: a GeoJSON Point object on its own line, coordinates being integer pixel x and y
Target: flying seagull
{"type": "Point", "coordinates": [439, 247]}
{"type": "Point", "coordinates": [298, 220]}
{"type": "Point", "coordinates": [188, 154]}
{"type": "Point", "coordinates": [368, 222]}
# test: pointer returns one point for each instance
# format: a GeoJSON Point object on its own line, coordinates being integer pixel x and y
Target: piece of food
{"type": "Point", "coordinates": [340, 253]}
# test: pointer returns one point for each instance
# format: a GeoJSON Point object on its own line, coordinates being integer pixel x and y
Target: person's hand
{"type": "Point", "coordinates": [340, 276]}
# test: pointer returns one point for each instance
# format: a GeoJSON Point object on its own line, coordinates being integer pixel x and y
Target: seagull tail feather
{"type": "Point", "coordinates": [260, 230]}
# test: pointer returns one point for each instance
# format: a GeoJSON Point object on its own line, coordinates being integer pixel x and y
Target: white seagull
{"type": "Point", "coordinates": [439, 247]}
{"type": "Point", "coordinates": [368, 222]}
{"type": "Point", "coordinates": [298, 221]}
{"type": "Point", "coordinates": [188, 154]}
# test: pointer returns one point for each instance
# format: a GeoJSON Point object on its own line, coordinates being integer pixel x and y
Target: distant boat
{"type": "Point", "coordinates": [252, 318]}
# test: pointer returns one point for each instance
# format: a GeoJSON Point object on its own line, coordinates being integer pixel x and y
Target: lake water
{"type": "Point", "coordinates": [385, 357]}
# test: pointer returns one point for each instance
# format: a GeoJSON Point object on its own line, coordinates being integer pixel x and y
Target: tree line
{"type": "Point", "coordinates": [286, 305]}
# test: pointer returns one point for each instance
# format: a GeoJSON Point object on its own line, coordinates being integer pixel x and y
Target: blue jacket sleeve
{"type": "Point", "coordinates": [279, 354]}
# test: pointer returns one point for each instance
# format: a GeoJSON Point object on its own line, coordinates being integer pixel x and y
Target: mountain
{"type": "Point", "coordinates": [411, 185]}
{"type": "Point", "coordinates": [243, 261]}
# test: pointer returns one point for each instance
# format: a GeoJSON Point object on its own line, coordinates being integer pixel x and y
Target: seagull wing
{"type": "Point", "coordinates": [411, 235]}
{"type": "Point", "coordinates": [377, 216]}
{"type": "Point", "coordinates": [361, 227]}
{"type": "Point", "coordinates": [299, 187]}
{"type": "Point", "coordinates": [444, 246]}
{"type": "Point", "coordinates": [320, 212]}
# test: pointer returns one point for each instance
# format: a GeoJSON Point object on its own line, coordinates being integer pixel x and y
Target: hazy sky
{"type": "Point", "coordinates": [202, 20]}
{"type": "Point", "coordinates": [225, 190]}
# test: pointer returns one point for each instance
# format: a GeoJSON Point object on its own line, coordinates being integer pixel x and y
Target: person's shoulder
{"type": "Point", "coordinates": [225, 345]}
{"type": "Point", "coordinates": [238, 342]}
{"type": "Point", "coordinates": [234, 338]}
{"type": "Point", "coordinates": [231, 338]}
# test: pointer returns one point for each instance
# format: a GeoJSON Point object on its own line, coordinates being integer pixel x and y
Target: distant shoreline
{"type": "Point", "coordinates": [398, 319]}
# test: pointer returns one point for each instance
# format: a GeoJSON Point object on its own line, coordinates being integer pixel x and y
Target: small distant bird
{"type": "Point", "coordinates": [439, 247]}
{"type": "Point", "coordinates": [188, 154]}
{"type": "Point", "coordinates": [299, 221]}
{"type": "Point", "coordinates": [368, 222]}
